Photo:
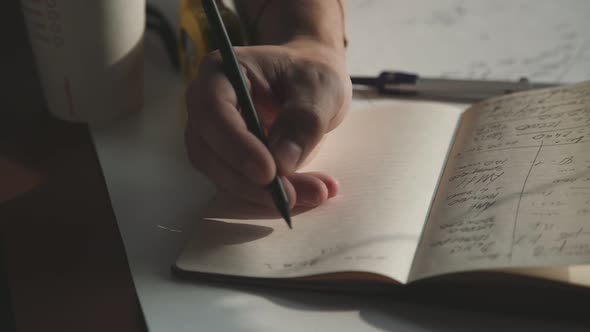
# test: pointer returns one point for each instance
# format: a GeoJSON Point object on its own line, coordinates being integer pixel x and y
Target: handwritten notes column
{"type": "Point", "coordinates": [516, 188]}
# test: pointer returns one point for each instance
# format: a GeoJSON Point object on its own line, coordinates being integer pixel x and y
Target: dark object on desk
{"type": "Point", "coordinates": [234, 73]}
{"type": "Point", "coordinates": [62, 255]}
{"type": "Point", "coordinates": [409, 84]}
{"type": "Point", "coordinates": [62, 249]}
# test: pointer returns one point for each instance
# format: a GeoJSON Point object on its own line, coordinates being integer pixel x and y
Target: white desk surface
{"type": "Point", "coordinates": [155, 193]}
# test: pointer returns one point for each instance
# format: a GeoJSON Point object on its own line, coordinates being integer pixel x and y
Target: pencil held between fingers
{"type": "Point", "coordinates": [297, 99]}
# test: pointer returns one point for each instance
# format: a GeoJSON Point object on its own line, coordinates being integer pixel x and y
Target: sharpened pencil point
{"type": "Point", "coordinates": [281, 201]}
{"type": "Point", "coordinates": [287, 218]}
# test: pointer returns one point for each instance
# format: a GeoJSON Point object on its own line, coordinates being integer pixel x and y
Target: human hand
{"type": "Point", "coordinates": [301, 91]}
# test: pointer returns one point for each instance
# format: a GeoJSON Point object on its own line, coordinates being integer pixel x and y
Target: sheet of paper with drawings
{"type": "Point", "coordinates": [516, 189]}
{"type": "Point", "coordinates": [387, 181]}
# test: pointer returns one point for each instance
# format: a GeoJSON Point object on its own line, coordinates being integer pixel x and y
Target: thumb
{"type": "Point", "coordinates": [305, 116]}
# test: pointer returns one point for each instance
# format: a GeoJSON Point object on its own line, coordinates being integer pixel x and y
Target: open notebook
{"type": "Point", "coordinates": [426, 191]}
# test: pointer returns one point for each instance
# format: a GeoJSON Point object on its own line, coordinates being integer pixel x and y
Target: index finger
{"type": "Point", "coordinates": [213, 113]}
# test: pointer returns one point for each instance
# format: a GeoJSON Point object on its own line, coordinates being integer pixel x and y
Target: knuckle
{"type": "Point", "coordinates": [325, 76]}
{"type": "Point", "coordinates": [317, 74]}
{"type": "Point", "coordinates": [312, 122]}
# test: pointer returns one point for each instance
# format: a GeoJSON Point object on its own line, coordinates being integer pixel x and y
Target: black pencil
{"type": "Point", "coordinates": [236, 78]}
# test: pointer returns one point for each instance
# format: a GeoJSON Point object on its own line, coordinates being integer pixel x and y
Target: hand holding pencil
{"type": "Point", "coordinates": [300, 91]}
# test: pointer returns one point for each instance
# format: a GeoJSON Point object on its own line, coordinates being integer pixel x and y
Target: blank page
{"type": "Point", "coordinates": [388, 160]}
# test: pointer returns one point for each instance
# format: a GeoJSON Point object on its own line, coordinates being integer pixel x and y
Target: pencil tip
{"type": "Point", "coordinates": [287, 217]}
{"type": "Point", "coordinates": [281, 200]}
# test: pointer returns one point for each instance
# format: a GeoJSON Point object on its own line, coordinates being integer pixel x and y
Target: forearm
{"type": "Point", "coordinates": [280, 21]}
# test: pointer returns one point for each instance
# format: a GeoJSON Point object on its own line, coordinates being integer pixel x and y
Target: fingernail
{"type": "Point", "coordinates": [287, 154]}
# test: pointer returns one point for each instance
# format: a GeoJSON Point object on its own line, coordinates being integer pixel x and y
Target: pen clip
{"type": "Point", "coordinates": [387, 79]}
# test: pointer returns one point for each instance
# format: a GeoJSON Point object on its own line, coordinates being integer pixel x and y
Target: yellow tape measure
{"type": "Point", "coordinates": [194, 35]}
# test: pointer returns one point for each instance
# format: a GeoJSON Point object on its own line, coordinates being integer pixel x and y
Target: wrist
{"type": "Point", "coordinates": [282, 22]}
{"type": "Point", "coordinates": [333, 44]}
{"type": "Point", "coordinates": [318, 52]}
{"type": "Point", "coordinates": [311, 47]}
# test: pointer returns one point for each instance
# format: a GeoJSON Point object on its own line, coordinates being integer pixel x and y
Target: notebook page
{"type": "Point", "coordinates": [388, 160]}
{"type": "Point", "coordinates": [516, 189]}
